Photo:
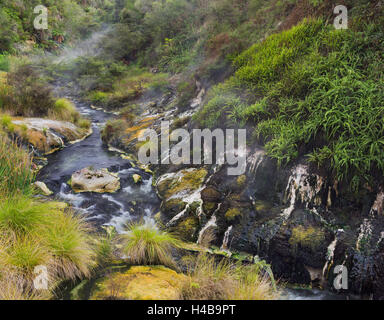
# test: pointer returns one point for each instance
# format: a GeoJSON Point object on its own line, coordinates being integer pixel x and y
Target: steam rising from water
{"type": "Point", "coordinates": [88, 48]}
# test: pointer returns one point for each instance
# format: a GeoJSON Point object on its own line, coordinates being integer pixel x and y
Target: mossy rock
{"type": "Point", "coordinates": [187, 230]}
{"type": "Point", "coordinates": [209, 207]}
{"type": "Point", "coordinates": [210, 194]}
{"type": "Point", "coordinates": [307, 237]}
{"type": "Point", "coordinates": [172, 207]}
{"type": "Point", "coordinates": [140, 283]}
{"type": "Point", "coordinates": [263, 206]}
{"type": "Point", "coordinates": [241, 181]}
{"type": "Point", "coordinates": [187, 180]}
{"type": "Point", "coordinates": [232, 214]}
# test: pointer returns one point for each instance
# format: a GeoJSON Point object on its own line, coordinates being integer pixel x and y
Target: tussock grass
{"type": "Point", "coordinates": [65, 110]}
{"type": "Point", "coordinates": [38, 234]}
{"type": "Point", "coordinates": [224, 280]}
{"type": "Point", "coordinates": [15, 168]}
{"type": "Point", "coordinates": [147, 245]}
{"type": "Point", "coordinates": [67, 237]}
{"type": "Point", "coordinates": [106, 246]}
{"type": "Point", "coordinates": [13, 286]}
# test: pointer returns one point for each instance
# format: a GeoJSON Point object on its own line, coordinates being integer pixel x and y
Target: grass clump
{"type": "Point", "coordinates": [145, 244]}
{"type": "Point", "coordinates": [40, 234]}
{"type": "Point", "coordinates": [224, 280]}
{"type": "Point", "coordinates": [15, 168]}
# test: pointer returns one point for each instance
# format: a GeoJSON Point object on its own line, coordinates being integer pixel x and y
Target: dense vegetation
{"type": "Point", "coordinates": [278, 68]}
{"type": "Point", "coordinates": [73, 19]}
{"type": "Point", "coordinates": [314, 91]}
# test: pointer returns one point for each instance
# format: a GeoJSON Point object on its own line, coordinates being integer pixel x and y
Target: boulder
{"type": "Point", "coordinates": [48, 136]}
{"type": "Point", "coordinates": [140, 283]}
{"type": "Point", "coordinates": [99, 181]}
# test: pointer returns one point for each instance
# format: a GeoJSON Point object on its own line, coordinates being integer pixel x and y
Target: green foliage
{"type": "Point", "coordinates": [31, 95]}
{"type": "Point", "coordinates": [225, 280]}
{"type": "Point", "coordinates": [106, 246]}
{"type": "Point", "coordinates": [67, 18]}
{"type": "Point", "coordinates": [41, 234]}
{"type": "Point", "coordinates": [14, 169]}
{"type": "Point", "coordinates": [4, 62]}
{"type": "Point", "coordinates": [310, 90]}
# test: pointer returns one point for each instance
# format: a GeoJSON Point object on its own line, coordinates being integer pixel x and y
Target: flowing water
{"type": "Point", "coordinates": [132, 201]}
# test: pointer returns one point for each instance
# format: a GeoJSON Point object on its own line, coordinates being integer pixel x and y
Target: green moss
{"type": "Point", "coordinates": [189, 180]}
{"type": "Point", "coordinates": [232, 214]}
{"type": "Point", "coordinates": [187, 229]}
{"type": "Point", "coordinates": [140, 283]}
{"type": "Point", "coordinates": [241, 181]}
{"type": "Point", "coordinates": [310, 237]}
{"type": "Point", "coordinates": [262, 206]}
{"type": "Point", "coordinates": [173, 206]}
{"type": "Point", "coordinates": [209, 206]}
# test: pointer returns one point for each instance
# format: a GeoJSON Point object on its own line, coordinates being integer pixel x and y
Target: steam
{"type": "Point", "coordinates": [90, 47]}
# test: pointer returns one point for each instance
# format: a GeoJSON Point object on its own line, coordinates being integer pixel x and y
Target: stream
{"type": "Point", "coordinates": [131, 202]}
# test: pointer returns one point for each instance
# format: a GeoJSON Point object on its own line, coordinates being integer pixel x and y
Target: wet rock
{"type": "Point", "coordinates": [48, 136]}
{"type": "Point", "coordinates": [140, 283]}
{"type": "Point", "coordinates": [181, 184]}
{"type": "Point", "coordinates": [180, 192]}
{"type": "Point", "coordinates": [99, 181]}
{"type": "Point", "coordinates": [137, 178]}
{"type": "Point", "coordinates": [42, 187]}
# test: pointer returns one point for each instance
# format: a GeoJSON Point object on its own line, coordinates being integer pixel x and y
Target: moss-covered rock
{"type": "Point", "coordinates": [140, 283]}
{"type": "Point", "coordinates": [186, 181]}
{"type": "Point", "coordinates": [232, 214]}
{"type": "Point", "coordinates": [310, 237]}
{"type": "Point", "coordinates": [187, 230]}
{"type": "Point", "coordinates": [172, 207]}
{"type": "Point", "coordinates": [48, 136]}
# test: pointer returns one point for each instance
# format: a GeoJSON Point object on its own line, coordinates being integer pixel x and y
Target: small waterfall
{"type": "Point", "coordinates": [227, 234]}
{"type": "Point", "coordinates": [299, 188]}
{"type": "Point", "coordinates": [177, 217]}
{"type": "Point", "coordinates": [255, 160]}
{"type": "Point", "coordinates": [294, 183]}
{"type": "Point", "coordinates": [210, 224]}
{"type": "Point", "coordinates": [330, 256]}
{"type": "Point", "coordinates": [377, 207]}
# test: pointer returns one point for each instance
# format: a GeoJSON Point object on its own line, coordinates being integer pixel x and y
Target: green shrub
{"type": "Point", "coordinates": [106, 246]}
{"type": "Point", "coordinates": [31, 96]}
{"type": "Point", "coordinates": [4, 63]}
